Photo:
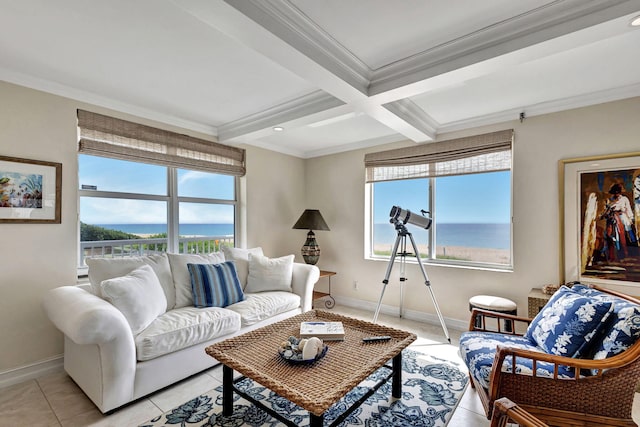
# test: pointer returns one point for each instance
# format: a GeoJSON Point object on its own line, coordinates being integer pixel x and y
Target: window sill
{"type": "Point", "coordinates": [500, 268]}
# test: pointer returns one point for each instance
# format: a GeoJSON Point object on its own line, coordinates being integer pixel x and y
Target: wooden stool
{"type": "Point", "coordinates": [497, 304]}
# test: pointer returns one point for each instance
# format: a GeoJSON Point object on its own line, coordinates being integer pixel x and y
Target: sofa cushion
{"type": "Point", "coordinates": [261, 306]}
{"type": "Point", "coordinates": [138, 295]}
{"type": "Point", "coordinates": [184, 327]}
{"type": "Point", "coordinates": [567, 323]}
{"type": "Point", "coordinates": [478, 349]}
{"type": "Point", "coordinates": [241, 257]}
{"type": "Point", "coordinates": [623, 328]}
{"type": "Point", "coordinates": [215, 285]}
{"type": "Point", "coordinates": [181, 277]}
{"type": "Point", "coordinates": [101, 269]}
{"type": "Point", "coordinates": [269, 274]}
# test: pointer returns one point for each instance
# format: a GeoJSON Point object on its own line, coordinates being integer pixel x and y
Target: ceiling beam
{"type": "Point", "coordinates": [274, 30]}
{"type": "Point", "coordinates": [278, 30]}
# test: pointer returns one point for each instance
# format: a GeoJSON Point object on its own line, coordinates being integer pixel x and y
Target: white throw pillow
{"type": "Point", "coordinates": [241, 258]}
{"type": "Point", "coordinates": [101, 269]}
{"type": "Point", "coordinates": [181, 277]}
{"type": "Point", "coordinates": [269, 274]}
{"type": "Point", "coordinates": [138, 295]}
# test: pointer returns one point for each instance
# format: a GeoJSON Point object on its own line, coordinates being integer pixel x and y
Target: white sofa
{"type": "Point", "coordinates": [114, 366]}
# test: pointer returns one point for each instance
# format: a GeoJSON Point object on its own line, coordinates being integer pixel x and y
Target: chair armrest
{"type": "Point", "coordinates": [84, 317]}
{"type": "Point", "coordinates": [487, 314]}
{"type": "Point", "coordinates": [599, 366]}
{"type": "Point", "coordinates": [304, 279]}
{"type": "Point", "coordinates": [505, 410]}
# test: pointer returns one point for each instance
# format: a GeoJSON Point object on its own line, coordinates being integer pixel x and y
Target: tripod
{"type": "Point", "coordinates": [401, 240]}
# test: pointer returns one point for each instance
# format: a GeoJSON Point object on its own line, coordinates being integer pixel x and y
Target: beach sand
{"type": "Point", "coordinates": [489, 255]}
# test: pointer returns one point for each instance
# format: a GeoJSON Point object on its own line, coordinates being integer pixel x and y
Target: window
{"type": "Point", "coordinates": [127, 209]}
{"type": "Point", "coordinates": [135, 201]}
{"type": "Point", "coordinates": [468, 198]}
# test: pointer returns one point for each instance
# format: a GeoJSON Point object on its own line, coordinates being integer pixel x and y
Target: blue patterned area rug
{"type": "Point", "coordinates": [431, 390]}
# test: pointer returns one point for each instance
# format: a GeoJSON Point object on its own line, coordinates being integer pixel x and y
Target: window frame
{"type": "Point", "coordinates": [172, 200]}
{"type": "Point", "coordinates": [431, 233]}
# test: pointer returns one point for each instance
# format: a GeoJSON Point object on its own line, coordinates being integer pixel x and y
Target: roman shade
{"type": "Point", "coordinates": [120, 139]}
{"type": "Point", "coordinates": [474, 154]}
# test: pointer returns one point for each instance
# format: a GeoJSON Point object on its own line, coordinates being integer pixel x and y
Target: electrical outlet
{"type": "Point", "coordinates": [355, 285]}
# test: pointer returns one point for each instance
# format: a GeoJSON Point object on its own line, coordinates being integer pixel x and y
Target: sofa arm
{"type": "Point", "coordinates": [304, 279]}
{"type": "Point", "coordinates": [101, 357]}
{"type": "Point", "coordinates": [84, 317]}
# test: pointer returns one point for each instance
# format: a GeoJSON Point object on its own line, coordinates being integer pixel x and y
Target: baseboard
{"type": "Point", "coordinates": [32, 371]}
{"type": "Point", "coordinates": [420, 316]}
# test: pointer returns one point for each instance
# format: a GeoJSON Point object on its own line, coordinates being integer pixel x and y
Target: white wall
{"type": "Point", "coordinates": [38, 257]}
{"type": "Point", "coordinates": [335, 185]}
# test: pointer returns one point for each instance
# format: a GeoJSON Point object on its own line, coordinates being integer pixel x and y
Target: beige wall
{"type": "Point", "coordinates": [277, 189]}
{"type": "Point", "coordinates": [275, 195]}
{"type": "Point", "coordinates": [335, 184]}
{"type": "Point", "coordinates": [38, 257]}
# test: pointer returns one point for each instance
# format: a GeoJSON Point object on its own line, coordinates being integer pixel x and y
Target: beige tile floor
{"type": "Point", "coordinates": [56, 401]}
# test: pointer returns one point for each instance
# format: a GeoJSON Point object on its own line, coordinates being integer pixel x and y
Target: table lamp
{"type": "Point", "coordinates": [311, 219]}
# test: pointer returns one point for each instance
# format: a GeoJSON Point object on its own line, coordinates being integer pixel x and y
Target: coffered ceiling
{"type": "Point", "coordinates": [335, 74]}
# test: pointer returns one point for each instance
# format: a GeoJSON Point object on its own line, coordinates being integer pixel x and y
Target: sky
{"type": "Point", "coordinates": [150, 179]}
{"type": "Point", "coordinates": [465, 199]}
{"type": "Point", "coordinates": [477, 198]}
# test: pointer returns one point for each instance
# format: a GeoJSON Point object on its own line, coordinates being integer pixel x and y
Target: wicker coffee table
{"type": "Point", "coordinates": [317, 386]}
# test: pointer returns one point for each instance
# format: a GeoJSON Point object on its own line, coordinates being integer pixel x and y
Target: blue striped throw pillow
{"type": "Point", "coordinates": [215, 285]}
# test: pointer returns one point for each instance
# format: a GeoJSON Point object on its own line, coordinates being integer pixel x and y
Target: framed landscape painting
{"type": "Point", "coordinates": [30, 191]}
{"type": "Point", "coordinates": [601, 211]}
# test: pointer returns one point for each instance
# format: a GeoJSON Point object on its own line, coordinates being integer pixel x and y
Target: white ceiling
{"type": "Point", "coordinates": [336, 74]}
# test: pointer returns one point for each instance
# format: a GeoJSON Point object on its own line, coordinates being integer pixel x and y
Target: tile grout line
{"type": "Point", "coordinates": [48, 402]}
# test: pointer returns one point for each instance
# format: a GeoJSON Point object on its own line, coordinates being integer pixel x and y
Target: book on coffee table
{"type": "Point", "coordinates": [326, 331]}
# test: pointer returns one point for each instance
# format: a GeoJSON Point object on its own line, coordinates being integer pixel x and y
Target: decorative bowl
{"type": "Point", "coordinates": [289, 351]}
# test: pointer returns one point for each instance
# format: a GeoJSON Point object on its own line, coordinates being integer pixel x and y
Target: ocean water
{"type": "Point", "coordinates": [495, 236]}
{"type": "Point", "coordinates": [185, 229]}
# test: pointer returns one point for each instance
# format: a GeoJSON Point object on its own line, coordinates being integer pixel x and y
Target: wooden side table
{"type": "Point", "coordinates": [329, 301]}
{"type": "Point", "coordinates": [537, 299]}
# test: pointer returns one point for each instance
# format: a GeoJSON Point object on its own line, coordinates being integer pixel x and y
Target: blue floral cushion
{"type": "Point", "coordinates": [623, 328]}
{"type": "Point", "coordinates": [568, 322]}
{"type": "Point", "coordinates": [478, 349]}
{"type": "Point", "coordinates": [215, 285]}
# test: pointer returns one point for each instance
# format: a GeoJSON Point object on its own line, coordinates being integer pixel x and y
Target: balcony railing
{"type": "Point", "coordinates": [139, 247]}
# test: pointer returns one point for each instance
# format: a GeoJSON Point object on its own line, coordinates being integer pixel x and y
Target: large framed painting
{"type": "Point", "coordinates": [30, 191]}
{"type": "Point", "coordinates": [601, 212]}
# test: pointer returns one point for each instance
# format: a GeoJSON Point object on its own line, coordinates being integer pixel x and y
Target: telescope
{"type": "Point", "coordinates": [408, 217]}
{"type": "Point", "coordinates": [400, 217]}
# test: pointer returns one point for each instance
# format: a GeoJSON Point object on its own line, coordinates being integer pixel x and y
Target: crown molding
{"type": "Point", "coordinates": [411, 113]}
{"type": "Point", "coordinates": [302, 106]}
{"type": "Point", "coordinates": [552, 20]}
{"type": "Point", "coordinates": [558, 105]}
{"type": "Point", "coordinates": [64, 91]}
{"type": "Point", "coordinates": [287, 22]}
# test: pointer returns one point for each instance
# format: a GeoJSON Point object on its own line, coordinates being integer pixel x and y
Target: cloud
{"type": "Point", "coordinates": [122, 211]}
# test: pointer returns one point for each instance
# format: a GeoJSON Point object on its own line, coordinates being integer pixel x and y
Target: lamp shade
{"type": "Point", "coordinates": [311, 219]}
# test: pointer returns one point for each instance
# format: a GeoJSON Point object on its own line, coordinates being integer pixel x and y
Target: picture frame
{"type": "Point", "coordinates": [30, 191]}
{"type": "Point", "coordinates": [597, 243]}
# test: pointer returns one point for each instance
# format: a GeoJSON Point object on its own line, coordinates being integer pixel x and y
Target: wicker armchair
{"type": "Point", "coordinates": [601, 399]}
{"type": "Point", "coordinates": [505, 410]}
